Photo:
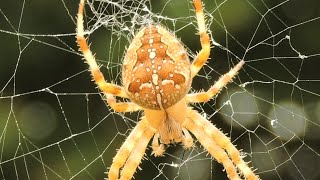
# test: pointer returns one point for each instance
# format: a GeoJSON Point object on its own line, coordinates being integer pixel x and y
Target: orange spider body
{"type": "Point", "coordinates": [157, 76]}
{"type": "Point", "coordinates": [156, 69]}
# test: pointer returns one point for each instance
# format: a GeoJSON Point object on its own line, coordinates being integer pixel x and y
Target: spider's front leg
{"type": "Point", "coordinates": [211, 137]}
{"type": "Point", "coordinates": [212, 147]}
{"type": "Point", "coordinates": [131, 152]}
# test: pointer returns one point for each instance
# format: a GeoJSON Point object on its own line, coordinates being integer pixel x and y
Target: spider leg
{"type": "Point", "coordinates": [187, 140]}
{"type": "Point", "coordinates": [215, 89]}
{"type": "Point", "coordinates": [127, 148]}
{"type": "Point", "coordinates": [224, 142]}
{"type": "Point", "coordinates": [94, 68]}
{"type": "Point", "coordinates": [157, 149]}
{"type": "Point", "coordinates": [212, 147]}
{"type": "Point", "coordinates": [121, 106]}
{"type": "Point", "coordinates": [136, 155]}
{"type": "Point", "coordinates": [204, 53]}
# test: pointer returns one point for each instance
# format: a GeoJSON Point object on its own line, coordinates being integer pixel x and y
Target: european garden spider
{"type": "Point", "coordinates": [156, 77]}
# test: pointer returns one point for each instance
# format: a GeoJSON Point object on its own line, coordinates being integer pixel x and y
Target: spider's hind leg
{"type": "Point", "coordinates": [90, 59]}
{"type": "Point", "coordinates": [204, 53]}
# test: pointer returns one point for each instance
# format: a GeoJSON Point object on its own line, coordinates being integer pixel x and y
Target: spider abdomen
{"type": "Point", "coordinates": [156, 69]}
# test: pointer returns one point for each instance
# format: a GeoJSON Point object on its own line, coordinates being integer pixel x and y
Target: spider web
{"type": "Point", "coordinates": [54, 123]}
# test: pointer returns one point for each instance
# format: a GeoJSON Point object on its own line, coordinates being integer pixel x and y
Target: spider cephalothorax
{"type": "Point", "coordinates": [157, 75]}
{"type": "Point", "coordinates": [156, 72]}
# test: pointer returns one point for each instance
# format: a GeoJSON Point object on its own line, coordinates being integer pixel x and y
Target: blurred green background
{"type": "Point", "coordinates": [54, 123]}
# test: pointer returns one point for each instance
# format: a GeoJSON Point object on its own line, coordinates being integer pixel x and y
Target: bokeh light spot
{"type": "Point", "coordinates": [37, 120]}
{"type": "Point", "coordinates": [288, 120]}
{"type": "Point", "coordinates": [240, 106]}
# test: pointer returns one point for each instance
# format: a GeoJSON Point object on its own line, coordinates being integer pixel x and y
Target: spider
{"type": "Point", "coordinates": [156, 77]}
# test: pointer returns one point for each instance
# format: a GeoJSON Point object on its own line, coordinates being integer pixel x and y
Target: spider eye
{"type": "Point", "coordinates": [156, 74]}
